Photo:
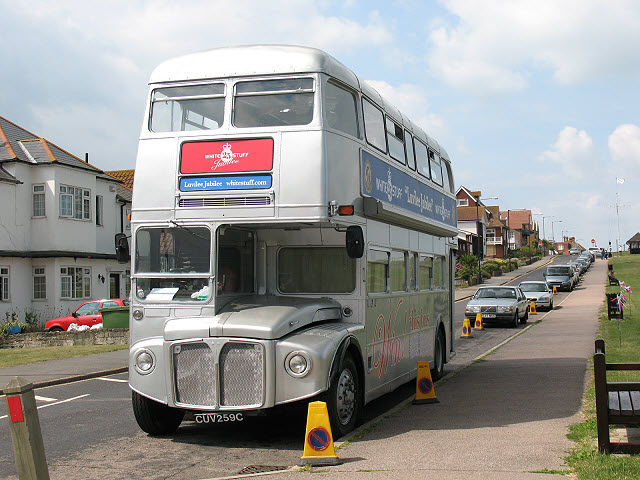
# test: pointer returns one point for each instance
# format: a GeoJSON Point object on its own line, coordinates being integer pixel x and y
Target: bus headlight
{"type": "Point", "coordinates": [297, 364]}
{"type": "Point", "coordinates": [145, 361]}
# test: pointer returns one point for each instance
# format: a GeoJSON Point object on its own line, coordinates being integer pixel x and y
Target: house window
{"type": "Point", "coordinates": [4, 283]}
{"type": "Point", "coordinates": [99, 201]}
{"type": "Point", "coordinates": [39, 283]}
{"type": "Point", "coordinates": [75, 202]}
{"type": "Point", "coordinates": [38, 201]}
{"type": "Point", "coordinates": [75, 282]}
{"type": "Point", "coordinates": [463, 202]}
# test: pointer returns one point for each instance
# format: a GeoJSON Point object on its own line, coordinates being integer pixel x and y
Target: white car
{"type": "Point", "coordinates": [539, 293]}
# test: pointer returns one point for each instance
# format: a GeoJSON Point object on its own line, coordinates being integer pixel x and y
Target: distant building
{"type": "Point", "coordinates": [59, 217]}
{"type": "Point", "coordinates": [634, 244]}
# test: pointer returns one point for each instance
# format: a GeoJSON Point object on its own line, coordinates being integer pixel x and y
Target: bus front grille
{"type": "Point", "coordinates": [241, 375]}
{"type": "Point", "coordinates": [225, 201]}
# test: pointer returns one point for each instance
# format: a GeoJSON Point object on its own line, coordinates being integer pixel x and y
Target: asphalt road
{"type": "Point", "coordinates": [87, 425]}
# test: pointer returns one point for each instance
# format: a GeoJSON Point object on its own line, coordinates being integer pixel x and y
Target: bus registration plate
{"type": "Point", "coordinates": [218, 417]}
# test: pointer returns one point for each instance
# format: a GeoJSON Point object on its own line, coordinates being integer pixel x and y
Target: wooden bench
{"type": "Point", "coordinates": [617, 403]}
{"type": "Point", "coordinates": [613, 279]}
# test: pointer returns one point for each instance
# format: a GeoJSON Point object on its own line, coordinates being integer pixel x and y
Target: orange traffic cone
{"type": "Point", "coordinates": [425, 390]}
{"type": "Point", "coordinates": [555, 290]}
{"type": "Point", "coordinates": [532, 308]}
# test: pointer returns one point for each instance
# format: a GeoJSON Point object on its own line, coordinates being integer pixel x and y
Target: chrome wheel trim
{"type": "Point", "coordinates": [346, 397]}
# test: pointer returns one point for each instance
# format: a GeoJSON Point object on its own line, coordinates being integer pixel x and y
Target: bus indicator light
{"type": "Point", "coordinates": [345, 210]}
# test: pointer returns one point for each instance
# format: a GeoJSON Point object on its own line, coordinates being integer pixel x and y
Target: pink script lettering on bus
{"type": "Point", "coordinates": [390, 348]}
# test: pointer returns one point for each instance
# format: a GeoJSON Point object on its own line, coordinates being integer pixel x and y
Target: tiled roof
{"type": "Point", "coordinates": [494, 220]}
{"type": "Point", "coordinates": [469, 213]}
{"type": "Point", "coordinates": [125, 176]}
{"type": "Point", "coordinates": [18, 144]}
{"type": "Point", "coordinates": [635, 238]}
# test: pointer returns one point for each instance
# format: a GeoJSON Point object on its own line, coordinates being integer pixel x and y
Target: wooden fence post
{"type": "Point", "coordinates": [24, 424]}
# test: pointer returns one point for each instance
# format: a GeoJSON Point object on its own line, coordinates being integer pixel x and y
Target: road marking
{"type": "Point", "coordinates": [55, 403]}
{"type": "Point", "coordinates": [119, 380]}
{"type": "Point", "coordinates": [45, 399]}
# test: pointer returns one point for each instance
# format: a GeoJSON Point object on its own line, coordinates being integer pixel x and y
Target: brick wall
{"type": "Point", "coordinates": [112, 336]}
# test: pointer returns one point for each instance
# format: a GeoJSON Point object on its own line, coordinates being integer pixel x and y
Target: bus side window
{"type": "Point", "coordinates": [408, 145]}
{"type": "Point", "coordinates": [398, 272]}
{"type": "Point", "coordinates": [425, 272]}
{"type": "Point", "coordinates": [446, 175]}
{"type": "Point", "coordinates": [374, 125]}
{"type": "Point", "coordinates": [411, 271]}
{"type": "Point", "coordinates": [436, 170]}
{"type": "Point", "coordinates": [395, 139]}
{"type": "Point", "coordinates": [422, 159]}
{"type": "Point", "coordinates": [377, 271]}
{"type": "Point", "coordinates": [438, 273]}
{"type": "Point", "coordinates": [340, 110]}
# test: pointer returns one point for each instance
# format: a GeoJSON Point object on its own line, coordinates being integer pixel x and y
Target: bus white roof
{"type": "Point", "coordinates": [249, 60]}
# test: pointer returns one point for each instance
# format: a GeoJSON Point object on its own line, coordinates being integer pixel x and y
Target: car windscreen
{"type": "Point", "coordinates": [558, 271]}
{"type": "Point", "coordinates": [533, 287]}
{"type": "Point", "coordinates": [496, 293]}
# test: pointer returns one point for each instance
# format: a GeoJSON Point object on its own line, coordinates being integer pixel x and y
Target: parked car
{"type": "Point", "coordinates": [499, 304]}
{"type": "Point", "coordinates": [596, 251]}
{"type": "Point", "coordinates": [538, 292]}
{"type": "Point", "coordinates": [574, 251]}
{"type": "Point", "coordinates": [87, 313]}
{"type": "Point", "coordinates": [560, 276]}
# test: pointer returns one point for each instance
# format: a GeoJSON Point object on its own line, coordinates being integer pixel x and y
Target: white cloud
{"type": "Point", "coordinates": [572, 153]}
{"type": "Point", "coordinates": [624, 147]}
{"type": "Point", "coordinates": [496, 45]}
{"type": "Point", "coordinates": [412, 101]}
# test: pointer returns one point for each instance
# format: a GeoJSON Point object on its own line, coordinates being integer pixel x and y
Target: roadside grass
{"type": "Point", "coordinates": [622, 341]}
{"type": "Point", "coordinates": [11, 357]}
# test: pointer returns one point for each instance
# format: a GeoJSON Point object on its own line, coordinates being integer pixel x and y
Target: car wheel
{"type": "Point", "coordinates": [56, 329]}
{"type": "Point", "coordinates": [155, 418]}
{"type": "Point", "coordinates": [514, 321]}
{"type": "Point", "coordinates": [525, 317]}
{"type": "Point", "coordinates": [344, 398]}
{"type": "Point", "coordinates": [438, 357]}
{"type": "Point", "coordinates": [551, 305]}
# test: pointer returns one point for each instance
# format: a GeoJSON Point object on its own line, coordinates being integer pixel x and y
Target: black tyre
{"type": "Point", "coordinates": [155, 418]}
{"type": "Point", "coordinates": [525, 317]}
{"type": "Point", "coordinates": [56, 329]}
{"type": "Point", "coordinates": [344, 398]}
{"type": "Point", "coordinates": [514, 321]}
{"type": "Point", "coordinates": [551, 305]}
{"type": "Point", "coordinates": [438, 357]}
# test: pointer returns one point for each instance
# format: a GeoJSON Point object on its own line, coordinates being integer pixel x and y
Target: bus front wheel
{"type": "Point", "coordinates": [155, 418]}
{"type": "Point", "coordinates": [344, 398]}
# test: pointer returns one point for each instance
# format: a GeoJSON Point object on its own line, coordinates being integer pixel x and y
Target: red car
{"type": "Point", "coordinates": [88, 313]}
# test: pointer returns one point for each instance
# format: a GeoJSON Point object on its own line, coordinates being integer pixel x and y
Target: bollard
{"type": "Point", "coordinates": [24, 425]}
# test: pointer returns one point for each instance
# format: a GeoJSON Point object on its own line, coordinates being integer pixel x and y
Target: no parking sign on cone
{"type": "Point", "coordinates": [425, 390]}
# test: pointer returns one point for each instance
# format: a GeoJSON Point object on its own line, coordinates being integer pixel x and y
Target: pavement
{"type": "Point", "coordinates": [505, 416]}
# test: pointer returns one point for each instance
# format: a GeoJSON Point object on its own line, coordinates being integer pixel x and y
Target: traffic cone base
{"type": "Point", "coordinates": [318, 440]}
{"type": "Point", "coordinates": [478, 324]}
{"type": "Point", "coordinates": [425, 390]}
{"type": "Point", "coordinates": [466, 329]}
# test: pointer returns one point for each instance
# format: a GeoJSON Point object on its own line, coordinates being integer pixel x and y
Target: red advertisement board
{"type": "Point", "coordinates": [227, 156]}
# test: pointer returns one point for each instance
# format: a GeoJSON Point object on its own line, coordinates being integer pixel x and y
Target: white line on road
{"type": "Point", "coordinates": [55, 403]}
{"type": "Point", "coordinates": [119, 380]}
{"type": "Point", "coordinates": [45, 399]}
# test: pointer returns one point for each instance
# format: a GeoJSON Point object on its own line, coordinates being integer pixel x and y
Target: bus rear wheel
{"type": "Point", "coordinates": [438, 357]}
{"type": "Point", "coordinates": [155, 418]}
{"type": "Point", "coordinates": [344, 398]}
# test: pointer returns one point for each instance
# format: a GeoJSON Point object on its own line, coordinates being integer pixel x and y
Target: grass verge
{"type": "Point", "coordinates": [622, 339]}
{"type": "Point", "coordinates": [11, 357]}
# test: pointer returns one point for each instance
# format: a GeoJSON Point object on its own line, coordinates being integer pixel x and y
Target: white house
{"type": "Point", "coordinates": [58, 219]}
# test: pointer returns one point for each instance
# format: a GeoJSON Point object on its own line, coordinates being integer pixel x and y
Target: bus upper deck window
{"type": "Point", "coordinates": [340, 110]}
{"type": "Point", "coordinates": [436, 170]}
{"type": "Point", "coordinates": [273, 103]}
{"type": "Point", "coordinates": [191, 107]}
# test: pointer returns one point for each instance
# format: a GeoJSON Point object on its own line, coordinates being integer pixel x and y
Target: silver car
{"type": "Point", "coordinates": [499, 304]}
{"type": "Point", "coordinates": [538, 292]}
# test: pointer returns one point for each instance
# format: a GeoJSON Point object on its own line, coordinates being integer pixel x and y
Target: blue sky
{"type": "Point", "coordinates": [537, 103]}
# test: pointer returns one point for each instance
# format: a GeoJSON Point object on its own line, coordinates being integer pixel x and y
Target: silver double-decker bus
{"type": "Point", "coordinates": [292, 239]}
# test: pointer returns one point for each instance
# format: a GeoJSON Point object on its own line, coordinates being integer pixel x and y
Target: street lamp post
{"type": "Point", "coordinates": [478, 199]}
{"type": "Point", "coordinates": [552, 234]}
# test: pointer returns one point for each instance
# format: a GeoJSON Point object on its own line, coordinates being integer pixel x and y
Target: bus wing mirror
{"type": "Point", "coordinates": [122, 248]}
{"type": "Point", "coordinates": [355, 242]}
